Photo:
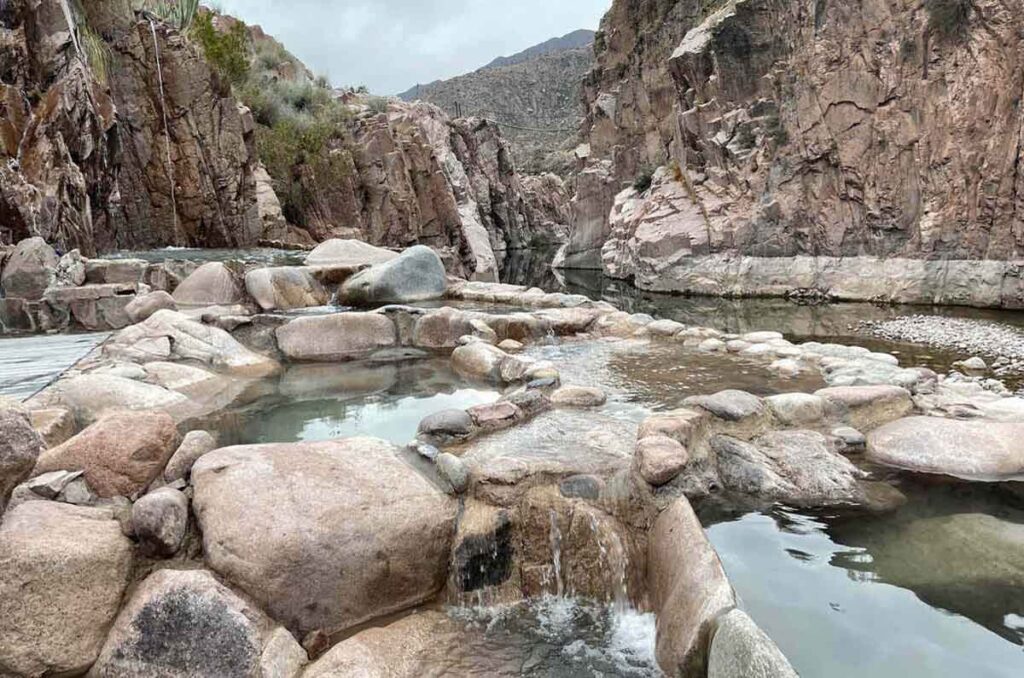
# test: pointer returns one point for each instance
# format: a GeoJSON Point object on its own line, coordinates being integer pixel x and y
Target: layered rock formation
{"type": "Point", "coordinates": [535, 93]}
{"type": "Point", "coordinates": [150, 150]}
{"type": "Point", "coordinates": [818, 146]}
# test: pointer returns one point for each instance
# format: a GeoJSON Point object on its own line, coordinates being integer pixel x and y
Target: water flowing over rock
{"type": "Point", "coordinates": [794, 156]}
{"type": "Point", "coordinates": [301, 529]}
{"type": "Point", "coordinates": [63, 570]}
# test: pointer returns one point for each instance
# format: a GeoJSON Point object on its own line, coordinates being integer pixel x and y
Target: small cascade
{"type": "Point", "coordinates": [167, 126]}
{"type": "Point", "coordinates": [556, 555]}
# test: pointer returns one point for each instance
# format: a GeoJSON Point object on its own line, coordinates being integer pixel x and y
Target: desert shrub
{"type": "Point", "coordinates": [378, 104]}
{"type": "Point", "coordinates": [227, 52]}
{"type": "Point", "coordinates": [948, 18]}
{"type": "Point", "coordinates": [179, 13]}
{"type": "Point", "coordinates": [644, 179]}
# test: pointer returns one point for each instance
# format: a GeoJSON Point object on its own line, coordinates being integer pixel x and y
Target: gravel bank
{"type": "Point", "coordinates": [1001, 345]}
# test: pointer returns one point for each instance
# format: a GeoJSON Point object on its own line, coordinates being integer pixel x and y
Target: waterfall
{"type": "Point", "coordinates": [556, 554]}
{"type": "Point", "coordinates": [167, 126]}
{"type": "Point", "coordinates": [70, 19]}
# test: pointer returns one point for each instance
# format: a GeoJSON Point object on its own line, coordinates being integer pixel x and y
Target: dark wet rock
{"type": "Point", "coordinates": [193, 446]}
{"type": "Point", "coordinates": [159, 521]}
{"type": "Point", "coordinates": [688, 590]}
{"type": "Point", "coordinates": [63, 570]}
{"type": "Point", "coordinates": [581, 487]}
{"type": "Point", "coordinates": [446, 427]}
{"type": "Point", "coordinates": [185, 623]}
{"type": "Point", "coordinates": [976, 450]}
{"type": "Point", "coordinates": [484, 552]}
{"type": "Point", "coordinates": [324, 535]}
{"type": "Point", "coordinates": [416, 275]}
{"type": "Point", "coordinates": [20, 447]}
{"type": "Point", "coordinates": [740, 649]}
{"type": "Point", "coordinates": [120, 454]}
{"type": "Point", "coordinates": [453, 470]}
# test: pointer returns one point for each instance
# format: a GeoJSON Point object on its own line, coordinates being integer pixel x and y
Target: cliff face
{"type": "Point", "coordinates": [536, 94]}
{"type": "Point", "coordinates": [124, 163]}
{"type": "Point", "coordinates": [884, 129]}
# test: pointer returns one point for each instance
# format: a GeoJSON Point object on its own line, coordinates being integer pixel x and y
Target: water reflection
{"type": "Point", "coordinates": [934, 589]}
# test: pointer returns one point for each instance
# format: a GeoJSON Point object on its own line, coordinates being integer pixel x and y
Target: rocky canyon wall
{"type": "Point", "coordinates": [805, 146]}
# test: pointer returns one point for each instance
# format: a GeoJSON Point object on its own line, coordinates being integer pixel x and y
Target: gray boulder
{"type": "Point", "coordinates": [740, 649]}
{"type": "Point", "coordinates": [340, 336]}
{"type": "Point", "coordinates": [70, 271]}
{"type": "Point", "coordinates": [729, 405]}
{"type": "Point", "coordinates": [348, 254]}
{"type": "Point", "coordinates": [159, 521]}
{"type": "Point", "coordinates": [416, 275]}
{"type": "Point", "coordinates": [20, 446]}
{"type": "Point", "coordinates": [63, 570]}
{"type": "Point", "coordinates": [185, 624]}
{"type": "Point", "coordinates": [454, 471]}
{"type": "Point", "coordinates": [29, 269]}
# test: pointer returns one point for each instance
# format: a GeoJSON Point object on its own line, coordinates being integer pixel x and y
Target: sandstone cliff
{"type": "Point", "coordinates": [798, 136]}
{"type": "Point", "coordinates": [535, 93]}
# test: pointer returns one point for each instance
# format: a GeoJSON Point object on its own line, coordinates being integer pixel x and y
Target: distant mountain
{"type": "Point", "coordinates": [534, 95]}
{"type": "Point", "coordinates": [574, 40]}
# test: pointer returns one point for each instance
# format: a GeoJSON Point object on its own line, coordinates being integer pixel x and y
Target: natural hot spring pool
{"type": "Point", "coordinates": [322, 402]}
{"type": "Point", "coordinates": [935, 589]}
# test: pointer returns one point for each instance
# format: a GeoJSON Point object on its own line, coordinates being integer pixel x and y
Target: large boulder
{"type": "Point", "coordinates": [341, 336]}
{"type": "Point", "coordinates": [20, 446]}
{"type": "Point", "coordinates": [90, 396]}
{"type": "Point", "coordinates": [416, 275]}
{"type": "Point", "coordinates": [169, 335]}
{"type": "Point", "coordinates": [742, 650]}
{"type": "Point", "coordinates": [688, 589]}
{"type": "Point", "coordinates": [185, 624]}
{"type": "Point", "coordinates": [120, 454]}
{"type": "Point", "coordinates": [212, 284]}
{"type": "Point", "coordinates": [976, 450]}
{"type": "Point", "coordinates": [29, 269]}
{"type": "Point", "coordinates": [348, 254]}
{"type": "Point", "coordinates": [285, 288]}
{"type": "Point", "coordinates": [479, 361]}
{"type": "Point", "coordinates": [325, 535]}
{"type": "Point", "coordinates": [63, 570]}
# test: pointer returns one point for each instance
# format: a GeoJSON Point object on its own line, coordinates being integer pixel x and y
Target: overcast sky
{"type": "Point", "coordinates": [391, 45]}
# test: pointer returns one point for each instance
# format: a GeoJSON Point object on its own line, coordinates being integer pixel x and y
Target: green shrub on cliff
{"type": "Point", "coordinates": [948, 18]}
{"type": "Point", "coordinates": [227, 51]}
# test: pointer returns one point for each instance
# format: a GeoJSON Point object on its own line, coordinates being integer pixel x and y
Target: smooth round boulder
{"type": "Point", "coordinates": [143, 306]}
{"type": "Point", "coordinates": [659, 459]}
{"type": "Point", "coordinates": [974, 450]}
{"type": "Point", "coordinates": [417, 274]}
{"type": "Point", "coordinates": [479, 361]}
{"type": "Point", "coordinates": [348, 253]}
{"type": "Point", "coordinates": [730, 405]}
{"type": "Point", "coordinates": [212, 284]}
{"type": "Point", "coordinates": [453, 470]}
{"type": "Point", "coordinates": [159, 521]}
{"type": "Point", "coordinates": [63, 570]}
{"type": "Point", "coordinates": [740, 649]}
{"type": "Point", "coordinates": [446, 427]}
{"type": "Point", "coordinates": [284, 288]}
{"type": "Point", "coordinates": [193, 446]}
{"type": "Point", "coordinates": [579, 396]}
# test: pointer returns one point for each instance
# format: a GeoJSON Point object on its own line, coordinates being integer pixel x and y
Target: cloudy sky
{"type": "Point", "coordinates": [391, 45]}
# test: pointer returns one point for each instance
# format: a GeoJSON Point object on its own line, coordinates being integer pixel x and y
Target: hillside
{"type": "Point", "coordinates": [537, 89]}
